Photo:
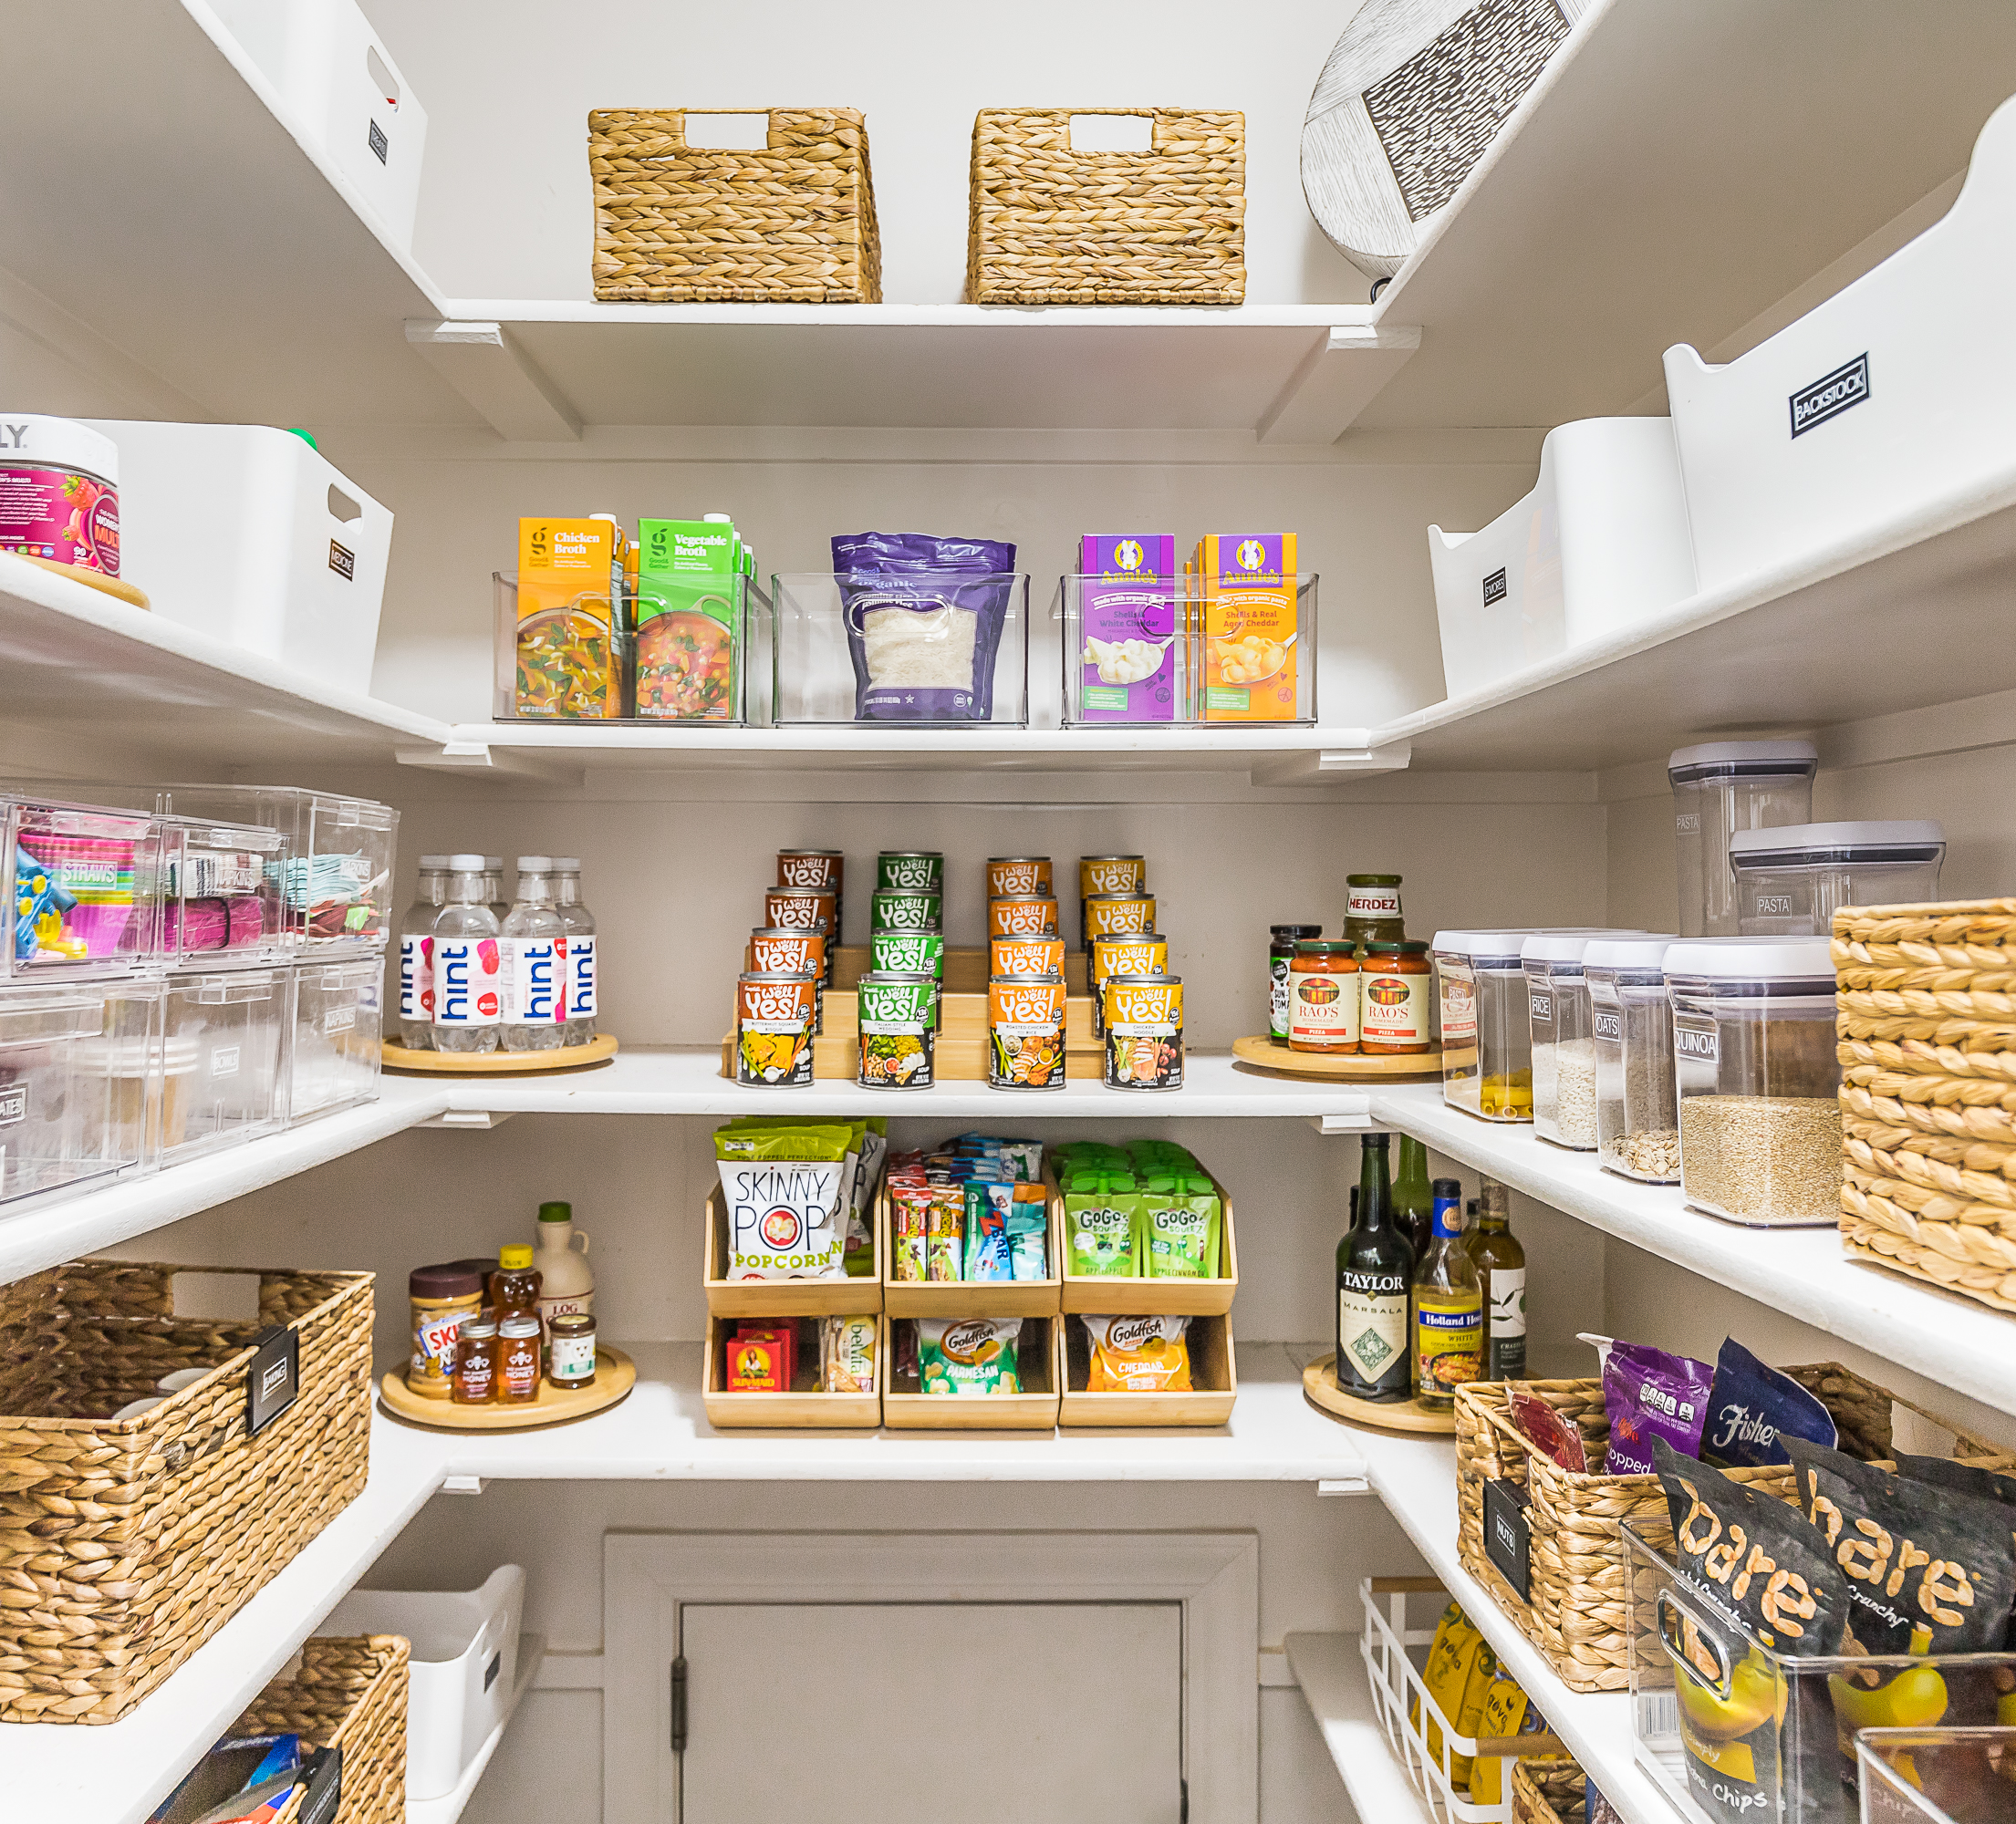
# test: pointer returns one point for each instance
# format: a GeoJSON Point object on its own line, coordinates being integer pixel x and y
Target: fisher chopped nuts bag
{"type": "Point", "coordinates": [1753, 1408]}
{"type": "Point", "coordinates": [1137, 1356]}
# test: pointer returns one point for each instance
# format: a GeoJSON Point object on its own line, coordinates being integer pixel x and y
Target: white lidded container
{"type": "Point", "coordinates": [250, 534]}
{"type": "Point", "coordinates": [1598, 546]}
{"type": "Point", "coordinates": [465, 1663]}
{"type": "Point", "coordinates": [1887, 406]}
{"type": "Point", "coordinates": [1755, 1066]}
{"type": "Point", "coordinates": [1789, 880]}
{"type": "Point", "coordinates": [1564, 1051]}
{"type": "Point", "coordinates": [1631, 1027]}
{"type": "Point", "coordinates": [1719, 788]}
{"type": "Point", "coordinates": [346, 95]}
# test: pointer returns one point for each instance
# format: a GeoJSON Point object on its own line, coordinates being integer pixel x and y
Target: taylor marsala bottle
{"type": "Point", "coordinates": [1502, 1267]}
{"type": "Point", "coordinates": [1449, 1307]}
{"type": "Point", "coordinates": [1374, 1265]}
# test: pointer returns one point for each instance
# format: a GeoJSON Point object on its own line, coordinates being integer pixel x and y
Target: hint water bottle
{"type": "Point", "coordinates": [416, 958]}
{"type": "Point", "coordinates": [468, 964]}
{"type": "Point", "coordinates": [580, 928]}
{"type": "Point", "coordinates": [534, 956]}
{"type": "Point", "coordinates": [493, 888]}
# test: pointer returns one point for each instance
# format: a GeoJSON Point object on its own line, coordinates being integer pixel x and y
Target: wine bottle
{"type": "Point", "coordinates": [1412, 1198]}
{"type": "Point", "coordinates": [1374, 1265]}
{"type": "Point", "coordinates": [1501, 1269]}
{"type": "Point", "coordinates": [1449, 1307]}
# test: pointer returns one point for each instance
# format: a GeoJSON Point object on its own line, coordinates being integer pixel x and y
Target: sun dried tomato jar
{"type": "Point", "coordinates": [1282, 940]}
{"type": "Point", "coordinates": [1322, 997]}
{"type": "Point", "coordinates": [1396, 992]}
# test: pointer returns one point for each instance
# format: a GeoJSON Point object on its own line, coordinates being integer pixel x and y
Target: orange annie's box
{"type": "Point", "coordinates": [1246, 582]}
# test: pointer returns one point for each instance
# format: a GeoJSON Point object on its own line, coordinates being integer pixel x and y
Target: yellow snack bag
{"type": "Point", "coordinates": [1504, 1714]}
{"type": "Point", "coordinates": [1451, 1657]}
{"type": "Point", "coordinates": [1468, 1714]}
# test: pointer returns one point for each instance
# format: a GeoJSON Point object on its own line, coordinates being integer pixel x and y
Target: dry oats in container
{"type": "Point", "coordinates": [1631, 1022]}
{"type": "Point", "coordinates": [1756, 1067]}
{"type": "Point", "coordinates": [1564, 1048]}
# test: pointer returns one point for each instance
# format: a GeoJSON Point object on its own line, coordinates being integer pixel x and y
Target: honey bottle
{"type": "Point", "coordinates": [514, 1286]}
{"type": "Point", "coordinates": [518, 1363]}
{"type": "Point", "coordinates": [474, 1379]}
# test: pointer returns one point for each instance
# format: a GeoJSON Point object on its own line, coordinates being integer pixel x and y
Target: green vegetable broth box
{"type": "Point", "coordinates": [688, 620]}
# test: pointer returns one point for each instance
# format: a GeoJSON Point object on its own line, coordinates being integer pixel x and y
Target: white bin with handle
{"type": "Point", "coordinates": [465, 1662]}
{"type": "Point", "coordinates": [253, 534]}
{"type": "Point", "coordinates": [1598, 546]}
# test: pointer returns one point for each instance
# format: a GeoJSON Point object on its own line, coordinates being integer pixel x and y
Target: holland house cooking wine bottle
{"type": "Point", "coordinates": [1374, 1265]}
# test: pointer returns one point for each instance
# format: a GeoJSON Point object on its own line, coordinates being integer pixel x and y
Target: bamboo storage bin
{"type": "Point", "coordinates": [967, 1298]}
{"type": "Point", "coordinates": [1033, 1409]}
{"type": "Point", "coordinates": [1156, 1297]}
{"type": "Point", "coordinates": [1576, 1615]}
{"type": "Point", "coordinates": [1214, 1377]}
{"type": "Point", "coordinates": [124, 1547]}
{"type": "Point", "coordinates": [792, 223]}
{"type": "Point", "coordinates": [1051, 225]}
{"type": "Point", "coordinates": [1547, 1790]}
{"type": "Point", "coordinates": [782, 1297]}
{"type": "Point", "coordinates": [349, 1693]}
{"type": "Point", "coordinates": [799, 1410]}
{"type": "Point", "coordinates": [1925, 1011]}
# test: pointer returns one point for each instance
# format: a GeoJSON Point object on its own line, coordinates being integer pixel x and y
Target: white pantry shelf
{"type": "Point", "coordinates": [1330, 1669]}
{"type": "Point", "coordinates": [1799, 1271]}
{"type": "Point", "coordinates": [450, 1806]}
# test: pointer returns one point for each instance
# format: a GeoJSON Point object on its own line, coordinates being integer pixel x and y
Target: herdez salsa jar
{"type": "Point", "coordinates": [1143, 1032]}
{"type": "Point", "coordinates": [897, 1014]}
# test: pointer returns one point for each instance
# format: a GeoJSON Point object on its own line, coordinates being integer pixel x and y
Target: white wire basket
{"type": "Point", "coordinates": [1404, 1710]}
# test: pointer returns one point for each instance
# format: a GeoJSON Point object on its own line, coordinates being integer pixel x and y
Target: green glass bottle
{"type": "Point", "coordinates": [1449, 1307]}
{"type": "Point", "coordinates": [1502, 1267]}
{"type": "Point", "coordinates": [1374, 1265]}
{"type": "Point", "coordinates": [1413, 1201]}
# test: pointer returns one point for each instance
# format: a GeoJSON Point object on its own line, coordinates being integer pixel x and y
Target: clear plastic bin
{"type": "Point", "coordinates": [86, 889]}
{"type": "Point", "coordinates": [66, 1123]}
{"type": "Point", "coordinates": [1631, 1022]}
{"type": "Point", "coordinates": [1487, 1037]}
{"type": "Point", "coordinates": [333, 1051]}
{"type": "Point", "coordinates": [1564, 1048]}
{"type": "Point", "coordinates": [1136, 654]}
{"type": "Point", "coordinates": [945, 653]}
{"type": "Point", "coordinates": [1697, 1679]}
{"type": "Point", "coordinates": [221, 1059]}
{"type": "Point", "coordinates": [1791, 880]}
{"type": "Point", "coordinates": [1755, 1066]}
{"type": "Point", "coordinates": [1721, 788]}
{"type": "Point", "coordinates": [220, 894]}
{"type": "Point", "coordinates": [569, 664]}
{"type": "Point", "coordinates": [1915, 1776]}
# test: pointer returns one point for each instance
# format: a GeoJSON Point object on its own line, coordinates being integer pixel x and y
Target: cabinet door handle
{"type": "Point", "coordinates": [678, 1705]}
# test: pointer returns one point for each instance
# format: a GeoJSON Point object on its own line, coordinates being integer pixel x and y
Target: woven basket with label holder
{"type": "Point", "coordinates": [789, 222]}
{"type": "Point", "coordinates": [348, 1694]}
{"type": "Point", "coordinates": [1051, 225]}
{"type": "Point", "coordinates": [1926, 1014]}
{"type": "Point", "coordinates": [1548, 1790]}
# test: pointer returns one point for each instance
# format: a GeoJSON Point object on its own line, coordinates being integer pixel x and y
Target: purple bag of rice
{"type": "Point", "coordinates": [924, 619]}
{"type": "Point", "coordinates": [1649, 1393]}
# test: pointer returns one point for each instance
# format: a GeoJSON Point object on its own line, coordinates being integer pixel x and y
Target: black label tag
{"type": "Point", "coordinates": [1507, 1542]}
{"type": "Point", "coordinates": [13, 1104]}
{"type": "Point", "coordinates": [1494, 586]}
{"type": "Point", "coordinates": [343, 561]}
{"type": "Point", "coordinates": [323, 1768]}
{"type": "Point", "coordinates": [491, 1671]}
{"type": "Point", "coordinates": [274, 1378]}
{"type": "Point", "coordinates": [379, 143]}
{"type": "Point", "coordinates": [1830, 395]}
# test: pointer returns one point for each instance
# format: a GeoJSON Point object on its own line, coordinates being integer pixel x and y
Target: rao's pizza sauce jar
{"type": "Point", "coordinates": [58, 491]}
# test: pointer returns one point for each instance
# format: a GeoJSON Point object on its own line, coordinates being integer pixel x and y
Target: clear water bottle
{"type": "Point", "coordinates": [416, 958]}
{"type": "Point", "coordinates": [535, 955]}
{"type": "Point", "coordinates": [493, 888]}
{"type": "Point", "coordinates": [468, 962]}
{"type": "Point", "coordinates": [580, 928]}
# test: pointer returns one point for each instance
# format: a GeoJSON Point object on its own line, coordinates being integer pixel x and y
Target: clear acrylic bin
{"type": "Point", "coordinates": [221, 1059]}
{"type": "Point", "coordinates": [1733, 1733]}
{"type": "Point", "coordinates": [220, 894]}
{"type": "Point", "coordinates": [1791, 880]}
{"type": "Point", "coordinates": [1937, 1775]}
{"type": "Point", "coordinates": [1631, 1022]}
{"type": "Point", "coordinates": [333, 1053]}
{"type": "Point", "coordinates": [67, 1123]}
{"type": "Point", "coordinates": [948, 651]}
{"type": "Point", "coordinates": [86, 889]}
{"type": "Point", "coordinates": [1139, 654]}
{"type": "Point", "coordinates": [566, 664]}
{"type": "Point", "coordinates": [1755, 1063]}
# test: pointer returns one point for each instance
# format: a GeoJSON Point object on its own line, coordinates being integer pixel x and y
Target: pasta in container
{"type": "Point", "coordinates": [924, 618]}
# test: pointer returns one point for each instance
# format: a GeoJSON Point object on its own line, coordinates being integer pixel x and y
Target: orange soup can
{"type": "Point", "coordinates": [789, 952]}
{"type": "Point", "coordinates": [1107, 873]}
{"type": "Point", "coordinates": [1010, 876]}
{"type": "Point", "coordinates": [1025, 1033]}
{"type": "Point", "coordinates": [1025, 956]}
{"type": "Point", "coordinates": [1113, 915]}
{"type": "Point", "coordinates": [806, 909]}
{"type": "Point", "coordinates": [1143, 1032]}
{"type": "Point", "coordinates": [1126, 953]}
{"type": "Point", "coordinates": [1025, 915]}
{"type": "Point", "coordinates": [774, 1020]}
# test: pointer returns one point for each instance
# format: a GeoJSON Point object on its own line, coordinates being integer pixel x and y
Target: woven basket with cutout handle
{"type": "Point", "coordinates": [1051, 225]}
{"type": "Point", "coordinates": [1577, 1612]}
{"type": "Point", "coordinates": [125, 1545]}
{"type": "Point", "coordinates": [790, 222]}
{"type": "Point", "coordinates": [351, 1695]}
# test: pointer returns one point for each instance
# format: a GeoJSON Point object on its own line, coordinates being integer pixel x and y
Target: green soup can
{"type": "Point", "coordinates": [911, 868]}
{"type": "Point", "coordinates": [906, 908]}
{"type": "Point", "coordinates": [911, 953]}
{"type": "Point", "coordinates": [897, 1016]}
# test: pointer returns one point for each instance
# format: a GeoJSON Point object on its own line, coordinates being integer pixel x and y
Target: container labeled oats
{"type": "Point", "coordinates": [1755, 1068]}
{"type": "Point", "coordinates": [1631, 1027]}
{"type": "Point", "coordinates": [1558, 1020]}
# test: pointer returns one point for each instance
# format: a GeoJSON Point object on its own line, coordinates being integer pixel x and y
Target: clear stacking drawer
{"type": "Point", "coordinates": [220, 894]}
{"type": "Point", "coordinates": [333, 1045]}
{"type": "Point", "coordinates": [69, 1121]}
{"type": "Point", "coordinates": [86, 889]}
{"type": "Point", "coordinates": [221, 1059]}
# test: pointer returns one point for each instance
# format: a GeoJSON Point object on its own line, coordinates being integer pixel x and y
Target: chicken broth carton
{"type": "Point", "coordinates": [1130, 601]}
{"type": "Point", "coordinates": [1246, 581]}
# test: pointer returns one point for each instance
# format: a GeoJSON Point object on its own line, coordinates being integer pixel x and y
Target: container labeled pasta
{"type": "Point", "coordinates": [564, 621]}
{"type": "Point", "coordinates": [1143, 1032]}
{"type": "Point", "coordinates": [1125, 953]}
{"type": "Point", "coordinates": [774, 1016]}
{"type": "Point", "coordinates": [1025, 1033]}
{"type": "Point", "coordinates": [897, 1014]}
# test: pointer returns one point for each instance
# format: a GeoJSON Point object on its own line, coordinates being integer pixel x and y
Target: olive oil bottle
{"type": "Point", "coordinates": [1449, 1308]}
{"type": "Point", "coordinates": [1502, 1267]}
{"type": "Point", "coordinates": [1374, 1265]}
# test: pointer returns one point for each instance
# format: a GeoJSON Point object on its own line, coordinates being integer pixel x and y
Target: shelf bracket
{"type": "Point", "coordinates": [467, 1120]}
{"type": "Point", "coordinates": [485, 365]}
{"type": "Point", "coordinates": [1343, 1485]}
{"type": "Point", "coordinates": [479, 757]}
{"type": "Point", "coordinates": [1313, 767]}
{"type": "Point", "coordinates": [1341, 1124]}
{"type": "Point", "coordinates": [462, 1484]}
{"type": "Point", "coordinates": [1344, 371]}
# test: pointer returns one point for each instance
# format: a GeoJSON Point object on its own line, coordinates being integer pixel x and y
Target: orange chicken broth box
{"type": "Point", "coordinates": [1245, 584]}
{"type": "Point", "coordinates": [569, 663]}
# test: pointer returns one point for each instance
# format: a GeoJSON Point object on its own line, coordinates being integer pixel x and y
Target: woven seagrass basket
{"type": "Point", "coordinates": [1548, 1791]}
{"type": "Point", "coordinates": [1050, 225]}
{"type": "Point", "coordinates": [349, 1693]}
{"type": "Point", "coordinates": [792, 222]}
{"type": "Point", "coordinates": [1577, 1611]}
{"type": "Point", "coordinates": [125, 1545]}
{"type": "Point", "coordinates": [1925, 1011]}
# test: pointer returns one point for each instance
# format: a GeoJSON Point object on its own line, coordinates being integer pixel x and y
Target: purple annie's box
{"type": "Point", "coordinates": [1130, 593]}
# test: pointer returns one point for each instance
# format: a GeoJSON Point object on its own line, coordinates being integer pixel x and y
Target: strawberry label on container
{"type": "Point", "coordinates": [61, 514]}
{"type": "Point", "coordinates": [468, 987]}
{"type": "Point", "coordinates": [416, 977]}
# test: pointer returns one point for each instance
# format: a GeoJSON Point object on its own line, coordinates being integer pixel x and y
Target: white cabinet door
{"type": "Point", "coordinates": [879, 1712]}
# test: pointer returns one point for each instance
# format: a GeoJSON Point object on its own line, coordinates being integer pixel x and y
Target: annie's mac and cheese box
{"type": "Point", "coordinates": [1245, 585]}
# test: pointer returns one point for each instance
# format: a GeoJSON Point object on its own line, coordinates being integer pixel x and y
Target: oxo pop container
{"type": "Point", "coordinates": [1718, 789]}
{"type": "Point", "coordinates": [1558, 1020]}
{"type": "Point", "coordinates": [1487, 1039]}
{"type": "Point", "coordinates": [224, 1037]}
{"type": "Point", "coordinates": [86, 889]}
{"type": "Point", "coordinates": [1790, 881]}
{"type": "Point", "coordinates": [334, 1054]}
{"type": "Point", "coordinates": [1755, 1066]}
{"type": "Point", "coordinates": [1631, 1027]}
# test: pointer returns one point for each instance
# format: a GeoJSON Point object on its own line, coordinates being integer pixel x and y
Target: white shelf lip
{"type": "Point", "coordinates": [845, 738]}
{"type": "Point", "coordinates": [1232, 318]}
{"type": "Point", "coordinates": [450, 1806]}
{"type": "Point", "coordinates": [1801, 1272]}
{"type": "Point", "coordinates": [1331, 1672]}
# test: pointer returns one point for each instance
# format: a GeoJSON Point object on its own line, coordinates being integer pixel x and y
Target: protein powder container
{"type": "Point", "coordinates": [58, 491]}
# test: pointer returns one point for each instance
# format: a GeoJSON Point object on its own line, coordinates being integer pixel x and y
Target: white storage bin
{"type": "Point", "coordinates": [248, 534]}
{"type": "Point", "coordinates": [346, 94]}
{"type": "Point", "coordinates": [1890, 398]}
{"type": "Point", "coordinates": [1600, 544]}
{"type": "Point", "coordinates": [465, 1661]}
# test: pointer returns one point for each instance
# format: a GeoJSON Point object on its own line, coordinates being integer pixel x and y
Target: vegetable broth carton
{"type": "Point", "coordinates": [688, 620]}
{"type": "Point", "coordinates": [1131, 599]}
{"type": "Point", "coordinates": [1245, 584]}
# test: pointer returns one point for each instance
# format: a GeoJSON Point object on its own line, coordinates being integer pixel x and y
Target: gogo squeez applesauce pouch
{"type": "Point", "coordinates": [785, 1190]}
{"type": "Point", "coordinates": [924, 618]}
{"type": "Point", "coordinates": [1752, 1572]}
{"type": "Point", "coordinates": [1129, 606]}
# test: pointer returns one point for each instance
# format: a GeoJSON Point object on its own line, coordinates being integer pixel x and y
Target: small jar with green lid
{"type": "Point", "coordinates": [1372, 909]}
{"type": "Point", "coordinates": [1396, 991]}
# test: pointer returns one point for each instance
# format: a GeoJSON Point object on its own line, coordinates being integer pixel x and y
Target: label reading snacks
{"type": "Point", "coordinates": [896, 1017]}
{"type": "Point", "coordinates": [1143, 1032]}
{"type": "Point", "coordinates": [774, 1022]}
{"type": "Point", "coordinates": [1026, 1034]}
